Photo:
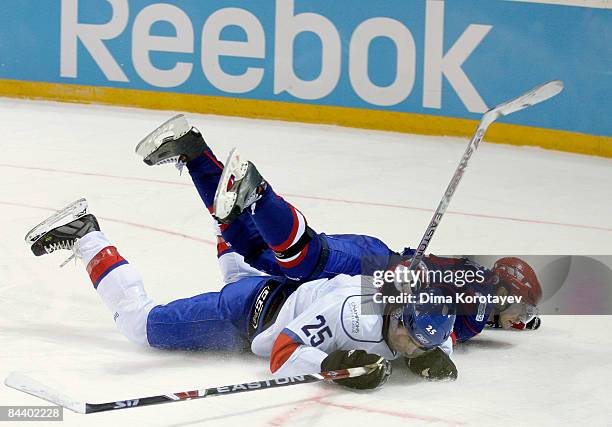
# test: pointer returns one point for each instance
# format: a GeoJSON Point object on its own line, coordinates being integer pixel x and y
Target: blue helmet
{"type": "Point", "coordinates": [429, 324]}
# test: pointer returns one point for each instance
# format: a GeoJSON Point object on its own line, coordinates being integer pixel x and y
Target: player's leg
{"type": "Point", "coordinates": [117, 283]}
{"type": "Point", "coordinates": [232, 265]}
{"type": "Point", "coordinates": [203, 322]}
{"type": "Point", "coordinates": [177, 142]}
{"type": "Point", "coordinates": [227, 320]}
{"type": "Point", "coordinates": [300, 251]}
{"type": "Point", "coordinates": [208, 321]}
{"type": "Point", "coordinates": [297, 248]}
{"type": "Point", "coordinates": [205, 171]}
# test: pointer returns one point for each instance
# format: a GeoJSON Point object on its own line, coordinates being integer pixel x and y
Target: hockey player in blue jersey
{"type": "Point", "coordinates": [301, 252]}
{"type": "Point", "coordinates": [269, 232]}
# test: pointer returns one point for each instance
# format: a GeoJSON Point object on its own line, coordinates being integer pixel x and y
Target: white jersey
{"type": "Point", "coordinates": [320, 317]}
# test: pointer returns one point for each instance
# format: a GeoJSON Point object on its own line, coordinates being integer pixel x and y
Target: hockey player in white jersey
{"type": "Point", "coordinates": [321, 325]}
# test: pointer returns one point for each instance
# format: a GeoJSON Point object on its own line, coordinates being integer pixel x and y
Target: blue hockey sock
{"type": "Point", "coordinates": [205, 172]}
{"type": "Point", "coordinates": [284, 228]}
{"type": "Point", "coordinates": [242, 234]}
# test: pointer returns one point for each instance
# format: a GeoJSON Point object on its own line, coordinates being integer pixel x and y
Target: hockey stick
{"type": "Point", "coordinates": [533, 97]}
{"type": "Point", "coordinates": [28, 385]}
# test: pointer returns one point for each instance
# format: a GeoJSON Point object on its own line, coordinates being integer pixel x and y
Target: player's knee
{"type": "Point", "coordinates": [131, 319]}
{"type": "Point", "coordinates": [301, 259]}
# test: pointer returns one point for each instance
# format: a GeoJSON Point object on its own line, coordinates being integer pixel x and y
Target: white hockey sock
{"type": "Point", "coordinates": [232, 264]}
{"type": "Point", "coordinates": [118, 284]}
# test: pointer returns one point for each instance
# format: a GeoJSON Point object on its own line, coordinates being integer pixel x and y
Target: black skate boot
{"type": "Point", "coordinates": [174, 142]}
{"type": "Point", "coordinates": [239, 187]}
{"type": "Point", "coordinates": [62, 230]}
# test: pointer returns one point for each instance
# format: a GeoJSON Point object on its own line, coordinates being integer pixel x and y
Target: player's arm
{"type": "Point", "coordinates": [291, 356]}
{"type": "Point", "coordinates": [310, 343]}
{"type": "Point", "coordinates": [308, 338]}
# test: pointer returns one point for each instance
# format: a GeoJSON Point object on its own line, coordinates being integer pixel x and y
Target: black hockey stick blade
{"type": "Point", "coordinates": [24, 383]}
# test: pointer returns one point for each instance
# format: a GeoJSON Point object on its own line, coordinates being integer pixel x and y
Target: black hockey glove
{"type": "Point", "coordinates": [434, 365]}
{"type": "Point", "coordinates": [342, 359]}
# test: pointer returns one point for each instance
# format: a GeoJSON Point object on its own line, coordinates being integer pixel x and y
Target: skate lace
{"type": "Point", "coordinates": [64, 244]}
{"type": "Point", "coordinates": [254, 197]}
{"type": "Point", "coordinates": [175, 160]}
{"type": "Point", "coordinates": [180, 165]}
{"type": "Point", "coordinates": [172, 159]}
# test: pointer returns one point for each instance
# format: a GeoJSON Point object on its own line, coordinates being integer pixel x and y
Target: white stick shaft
{"type": "Point", "coordinates": [534, 96]}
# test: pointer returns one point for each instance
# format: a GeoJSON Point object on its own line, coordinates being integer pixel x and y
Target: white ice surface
{"type": "Point", "coordinates": [512, 200]}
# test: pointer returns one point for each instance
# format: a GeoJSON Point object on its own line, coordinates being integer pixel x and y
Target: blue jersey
{"type": "Point", "coordinates": [474, 316]}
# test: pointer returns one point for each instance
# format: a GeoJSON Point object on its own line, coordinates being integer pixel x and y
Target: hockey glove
{"type": "Point", "coordinates": [434, 365]}
{"type": "Point", "coordinates": [342, 359]}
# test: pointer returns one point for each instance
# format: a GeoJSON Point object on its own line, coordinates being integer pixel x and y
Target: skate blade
{"type": "Point", "coordinates": [174, 128]}
{"type": "Point", "coordinates": [73, 211]}
{"type": "Point", "coordinates": [235, 168]}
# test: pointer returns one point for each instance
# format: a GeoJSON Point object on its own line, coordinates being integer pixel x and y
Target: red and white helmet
{"type": "Point", "coordinates": [519, 278]}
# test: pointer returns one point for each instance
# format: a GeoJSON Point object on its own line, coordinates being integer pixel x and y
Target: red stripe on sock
{"type": "Point", "coordinates": [222, 246]}
{"type": "Point", "coordinates": [104, 260]}
{"type": "Point", "coordinates": [212, 159]}
{"type": "Point", "coordinates": [293, 263]}
{"type": "Point", "coordinates": [287, 243]}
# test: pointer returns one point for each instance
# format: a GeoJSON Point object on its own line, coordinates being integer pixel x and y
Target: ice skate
{"type": "Point", "coordinates": [174, 142]}
{"type": "Point", "coordinates": [62, 230]}
{"type": "Point", "coordinates": [240, 186]}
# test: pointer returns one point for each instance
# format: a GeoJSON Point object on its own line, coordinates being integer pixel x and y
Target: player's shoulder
{"type": "Point", "coordinates": [344, 280]}
{"type": "Point", "coordinates": [360, 319]}
{"type": "Point", "coordinates": [334, 289]}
